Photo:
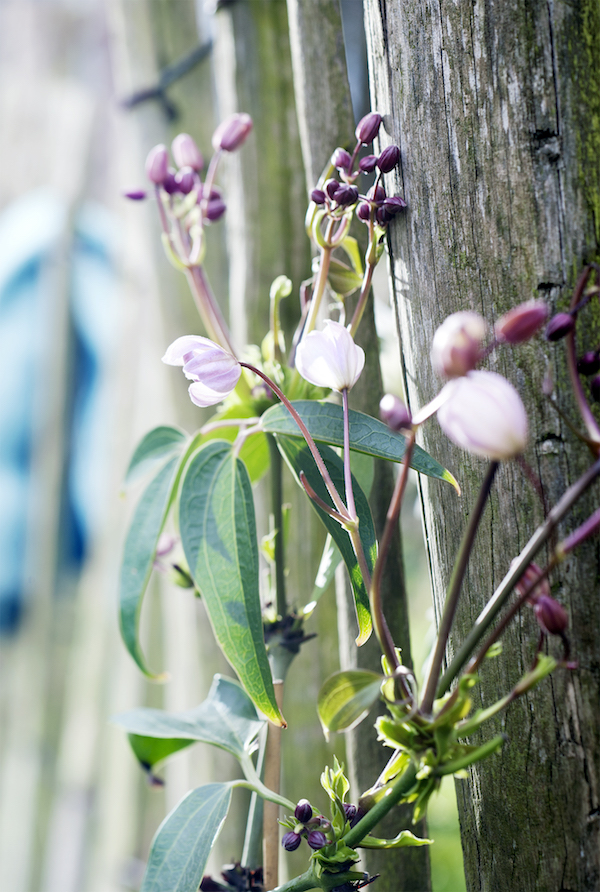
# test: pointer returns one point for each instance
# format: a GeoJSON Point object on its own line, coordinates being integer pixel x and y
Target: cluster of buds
{"type": "Point", "coordinates": [307, 825]}
{"type": "Point", "coordinates": [337, 195]}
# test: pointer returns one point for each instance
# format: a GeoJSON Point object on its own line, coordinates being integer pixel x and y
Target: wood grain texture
{"type": "Point", "coordinates": [326, 121]}
{"type": "Point", "coordinates": [495, 107]}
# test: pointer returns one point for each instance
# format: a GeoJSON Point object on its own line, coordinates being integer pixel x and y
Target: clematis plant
{"type": "Point", "coordinates": [271, 413]}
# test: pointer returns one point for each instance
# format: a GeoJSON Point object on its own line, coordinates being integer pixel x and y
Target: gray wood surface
{"type": "Point", "coordinates": [495, 107]}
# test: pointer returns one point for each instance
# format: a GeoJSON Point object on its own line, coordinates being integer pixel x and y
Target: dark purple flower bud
{"type": "Point", "coordinates": [232, 132]}
{"type": "Point", "coordinates": [595, 388]}
{"type": "Point", "coordinates": [522, 322]}
{"type": "Point", "coordinates": [346, 195]}
{"type": "Point", "coordinates": [185, 179]}
{"type": "Point", "coordinates": [532, 572]}
{"type": "Point", "coordinates": [215, 192]}
{"type": "Point", "coordinates": [215, 209]}
{"type": "Point", "coordinates": [350, 810]}
{"type": "Point", "coordinates": [157, 164]}
{"type": "Point", "coordinates": [394, 204]}
{"type": "Point", "coordinates": [388, 159]}
{"type": "Point", "coordinates": [394, 413]}
{"type": "Point", "coordinates": [559, 326]}
{"type": "Point", "coordinates": [317, 839]}
{"type": "Point", "coordinates": [363, 211]}
{"type": "Point", "coordinates": [135, 194]}
{"type": "Point", "coordinates": [383, 216]}
{"type": "Point", "coordinates": [589, 363]}
{"type": "Point", "coordinates": [318, 196]}
{"type": "Point", "coordinates": [368, 128]}
{"type": "Point", "coordinates": [290, 841]}
{"type": "Point", "coordinates": [341, 159]}
{"type": "Point", "coordinates": [303, 811]}
{"type": "Point", "coordinates": [551, 616]}
{"type": "Point", "coordinates": [376, 194]}
{"type": "Point", "coordinates": [170, 184]}
{"type": "Point", "coordinates": [331, 187]}
{"type": "Point", "coordinates": [186, 153]}
{"type": "Point", "coordinates": [367, 164]}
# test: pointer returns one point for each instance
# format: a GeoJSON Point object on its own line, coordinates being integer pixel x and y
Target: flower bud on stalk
{"type": "Point", "coordinates": [157, 164]}
{"type": "Point", "coordinates": [367, 164]}
{"type": "Point", "coordinates": [316, 839]}
{"type": "Point", "coordinates": [483, 414]}
{"type": "Point", "coordinates": [186, 153]}
{"type": "Point", "coordinates": [551, 616]}
{"type": "Point", "coordinates": [394, 413]}
{"type": "Point", "coordinates": [213, 371]}
{"type": "Point", "coordinates": [595, 388]}
{"type": "Point", "coordinates": [303, 811]}
{"type": "Point", "coordinates": [589, 363]}
{"type": "Point", "coordinates": [529, 576]}
{"type": "Point", "coordinates": [363, 211]}
{"type": "Point", "coordinates": [169, 183]}
{"type": "Point", "coordinates": [341, 159]}
{"type": "Point", "coordinates": [346, 195]}
{"type": "Point", "coordinates": [185, 179]}
{"type": "Point", "coordinates": [215, 209]}
{"type": "Point", "coordinates": [389, 159]}
{"type": "Point", "coordinates": [135, 194]}
{"type": "Point", "coordinates": [331, 187]}
{"type": "Point", "coordinates": [330, 358]}
{"type": "Point", "coordinates": [318, 196]}
{"type": "Point", "coordinates": [559, 326]}
{"type": "Point", "coordinates": [368, 128]}
{"type": "Point", "coordinates": [457, 344]}
{"type": "Point", "coordinates": [290, 841]}
{"type": "Point", "coordinates": [232, 132]}
{"type": "Point", "coordinates": [522, 322]}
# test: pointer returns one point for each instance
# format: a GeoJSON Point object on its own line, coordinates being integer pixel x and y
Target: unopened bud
{"type": "Point", "coordinates": [215, 209]}
{"type": "Point", "coordinates": [290, 841]}
{"type": "Point", "coordinates": [589, 363]}
{"type": "Point", "coordinates": [157, 164]}
{"type": "Point", "coordinates": [595, 388]}
{"type": "Point", "coordinates": [522, 322]}
{"type": "Point", "coordinates": [317, 839]}
{"type": "Point", "coordinates": [346, 195]}
{"type": "Point", "coordinates": [394, 413]}
{"type": "Point", "coordinates": [388, 159]}
{"type": "Point", "coordinates": [318, 196]}
{"type": "Point", "coordinates": [169, 183]}
{"type": "Point", "coordinates": [363, 211]}
{"type": "Point", "coordinates": [457, 344]}
{"type": "Point", "coordinates": [394, 204]}
{"type": "Point", "coordinates": [232, 132]}
{"type": "Point", "coordinates": [368, 127]}
{"type": "Point", "coordinates": [383, 216]}
{"type": "Point", "coordinates": [559, 326]}
{"type": "Point", "coordinates": [551, 616]}
{"type": "Point", "coordinates": [135, 194]}
{"type": "Point", "coordinates": [527, 579]}
{"type": "Point", "coordinates": [303, 811]}
{"type": "Point", "coordinates": [341, 159]}
{"type": "Point", "coordinates": [376, 194]}
{"type": "Point", "coordinates": [367, 164]}
{"type": "Point", "coordinates": [185, 179]}
{"type": "Point", "coordinates": [186, 153]}
{"type": "Point", "coordinates": [350, 811]}
{"type": "Point", "coordinates": [331, 187]}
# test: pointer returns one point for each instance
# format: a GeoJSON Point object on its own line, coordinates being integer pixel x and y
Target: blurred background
{"type": "Point", "coordinates": [88, 304]}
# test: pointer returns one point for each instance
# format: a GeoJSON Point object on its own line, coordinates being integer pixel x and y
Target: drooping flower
{"type": "Point", "coordinates": [213, 371]}
{"type": "Point", "coordinates": [330, 358]}
{"type": "Point", "coordinates": [484, 414]}
{"type": "Point", "coordinates": [457, 345]}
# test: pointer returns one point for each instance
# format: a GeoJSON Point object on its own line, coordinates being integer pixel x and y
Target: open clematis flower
{"type": "Point", "coordinates": [213, 371]}
{"type": "Point", "coordinates": [484, 414]}
{"type": "Point", "coordinates": [330, 358]}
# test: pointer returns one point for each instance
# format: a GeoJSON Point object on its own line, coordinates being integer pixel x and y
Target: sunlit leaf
{"type": "Point", "coordinates": [155, 448]}
{"type": "Point", "coordinates": [218, 532]}
{"type": "Point", "coordinates": [405, 838]}
{"type": "Point", "coordinates": [184, 840]}
{"type": "Point", "coordinates": [346, 698]}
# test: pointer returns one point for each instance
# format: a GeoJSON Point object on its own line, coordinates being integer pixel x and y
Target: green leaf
{"type": "Point", "coordinates": [346, 698]}
{"type": "Point", "coordinates": [140, 547]}
{"type": "Point", "coordinates": [255, 450]}
{"type": "Point", "coordinates": [227, 719]}
{"type": "Point", "coordinates": [156, 447]}
{"type": "Point", "coordinates": [325, 424]}
{"type": "Point", "coordinates": [150, 751]}
{"type": "Point", "coordinates": [184, 840]}
{"type": "Point", "coordinates": [350, 246]}
{"type": "Point", "coordinates": [299, 458]}
{"type": "Point", "coordinates": [404, 838]}
{"type": "Point", "coordinates": [218, 532]}
{"type": "Point", "coordinates": [342, 278]}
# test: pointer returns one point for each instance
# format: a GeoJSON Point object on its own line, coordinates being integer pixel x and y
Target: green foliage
{"type": "Point", "coordinates": [156, 447]}
{"type": "Point", "coordinates": [346, 698]}
{"type": "Point", "coordinates": [218, 532]}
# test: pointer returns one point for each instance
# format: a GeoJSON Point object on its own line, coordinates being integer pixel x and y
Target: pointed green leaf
{"type": "Point", "coordinates": [155, 448]}
{"type": "Point", "coordinates": [218, 532]}
{"type": "Point", "coordinates": [227, 719]}
{"type": "Point", "coordinates": [151, 751]}
{"type": "Point", "coordinates": [346, 698]}
{"type": "Point", "coordinates": [184, 840]}
{"type": "Point", "coordinates": [140, 547]}
{"type": "Point", "coordinates": [325, 423]}
{"type": "Point", "coordinates": [255, 450]}
{"type": "Point", "coordinates": [298, 457]}
{"type": "Point", "coordinates": [404, 838]}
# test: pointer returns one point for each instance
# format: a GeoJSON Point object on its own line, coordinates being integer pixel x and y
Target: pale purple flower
{"type": "Point", "coordinates": [232, 132]}
{"type": "Point", "coordinates": [330, 358]}
{"type": "Point", "coordinates": [483, 413]}
{"type": "Point", "coordinates": [213, 371]}
{"type": "Point", "coordinates": [457, 344]}
{"type": "Point", "coordinates": [522, 322]}
{"type": "Point", "coordinates": [186, 153]}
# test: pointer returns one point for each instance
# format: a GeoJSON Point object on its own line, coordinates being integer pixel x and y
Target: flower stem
{"type": "Point", "coordinates": [517, 568]}
{"type": "Point", "coordinates": [362, 300]}
{"type": "Point", "coordinates": [276, 508]}
{"type": "Point", "coordinates": [208, 308]}
{"type": "Point", "coordinates": [454, 588]}
{"type": "Point", "coordinates": [319, 290]}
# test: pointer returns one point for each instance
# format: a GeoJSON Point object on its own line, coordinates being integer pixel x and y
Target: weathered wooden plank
{"type": "Point", "coordinates": [493, 106]}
